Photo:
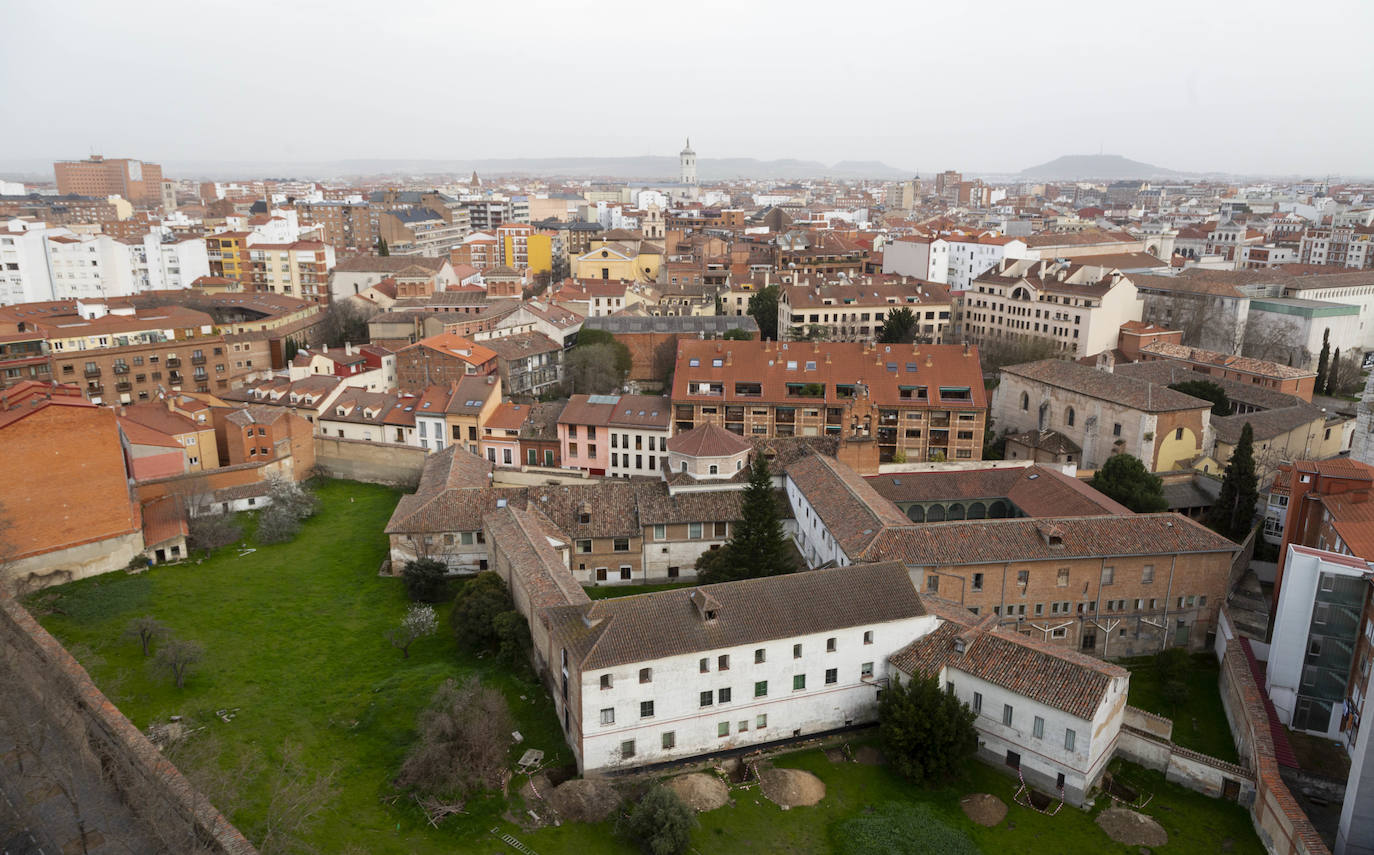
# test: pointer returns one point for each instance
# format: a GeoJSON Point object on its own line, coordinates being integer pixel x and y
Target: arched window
{"type": "Point", "coordinates": [916, 513]}
{"type": "Point", "coordinates": [977, 511]}
{"type": "Point", "coordinates": [1025, 402]}
{"type": "Point", "coordinates": [1069, 417]}
{"type": "Point", "coordinates": [935, 514]}
{"type": "Point", "coordinates": [999, 510]}
{"type": "Point", "coordinates": [956, 511]}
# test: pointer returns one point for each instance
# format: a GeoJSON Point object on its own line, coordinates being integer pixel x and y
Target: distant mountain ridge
{"type": "Point", "coordinates": [1072, 167]}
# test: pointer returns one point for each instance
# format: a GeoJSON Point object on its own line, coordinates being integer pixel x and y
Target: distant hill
{"type": "Point", "coordinates": [1072, 167]}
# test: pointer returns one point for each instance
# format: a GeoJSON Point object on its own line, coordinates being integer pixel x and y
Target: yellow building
{"type": "Point", "coordinates": [631, 260]}
{"type": "Point", "coordinates": [523, 247]}
{"type": "Point", "coordinates": [228, 255]}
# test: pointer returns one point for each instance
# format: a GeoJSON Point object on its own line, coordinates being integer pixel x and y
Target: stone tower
{"type": "Point", "coordinates": [687, 161]}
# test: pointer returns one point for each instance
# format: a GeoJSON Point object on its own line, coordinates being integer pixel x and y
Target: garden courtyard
{"type": "Point", "coordinates": [299, 690]}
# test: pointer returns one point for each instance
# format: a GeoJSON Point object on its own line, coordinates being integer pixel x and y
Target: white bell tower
{"type": "Point", "coordinates": [687, 162]}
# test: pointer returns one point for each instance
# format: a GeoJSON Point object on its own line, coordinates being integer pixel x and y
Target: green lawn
{"type": "Point", "coordinates": [294, 640]}
{"type": "Point", "coordinates": [1200, 723]}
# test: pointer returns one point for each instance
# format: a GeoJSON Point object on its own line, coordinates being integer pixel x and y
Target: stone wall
{"type": "Point", "coordinates": [1279, 819]}
{"type": "Point", "coordinates": [373, 462]}
{"type": "Point", "coordinates": [68, 565]}
{"type": "Point", "coordinates": [172, 809]}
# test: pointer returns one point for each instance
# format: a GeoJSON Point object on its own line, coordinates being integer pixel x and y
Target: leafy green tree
{"type": "Point", "coordinates": [1233, 513]}
{"type": "Point", "coordinates": [927, 733]}
{"type": "Point", "coordinates": [899, 327]}
{"type": "Point", "coordinates": [809, 332]}
{"type": "Point", "coordinates": [513, 640]}
{"type": "Point", "coordinates": [1207, 391]}
{"type": "Point", "coordinates": [1333, 375]}
{"type": "Point", "coordinates": [757, 546]}
{"type": "Point", "coordinates": [1324, 360]}
{"type": "Point", "coordinates": [659, 823]}
{"type": "Point", "coordinates": [623, 360]}
{"type": "Point", "coordinates": [426, 579]}
{"type": "Point", "coordinates": [1124, 478]}
{"type": "Point", "coordinates": [738, 335]}
{"type": "Point", "coordinates": [479, 602]}
{"type": "Point", "coordinates": [382, 249]}
{"type": "Point", "coordinates": [764, 307]}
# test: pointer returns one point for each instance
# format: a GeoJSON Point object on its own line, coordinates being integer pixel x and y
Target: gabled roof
{"type": "Point", "coordinates": [1111, 386]}
{"type": "Point", "coordinates": [852, 511]}
{"type": "Point", "coordinates": [645, 627]}
{"type": "Point", "coordinates": [1046, 673]}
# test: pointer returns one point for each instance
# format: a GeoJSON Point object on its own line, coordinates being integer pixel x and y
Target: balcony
{"type": "Point", "coordinates": [120, 368]}
{"type": "Point", "coordinates": [198, 360]}
{"type": "Point", "coordinates": [173, 362]}
{"type": "Point", "coordinates": [92, 372]}
{"type": "Point", "coordinates": [174, 377]}
{"type": "Point", "coordinates": [94, 389]}
{"type": "Point", "coordinates": [124, 386]}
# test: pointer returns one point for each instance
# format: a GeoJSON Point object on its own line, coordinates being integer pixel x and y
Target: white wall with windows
{"type": "Point", "coordinates": [637, 452]}
{"type": "Point", "coordinates": [716, 700]}
{"type": "Point", "coordinates": [817, 544]}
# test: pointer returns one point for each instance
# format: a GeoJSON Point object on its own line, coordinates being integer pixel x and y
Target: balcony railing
{"type": "Point", "coordinates": [197, 360]}
{"type": "Point", "coordinates": [173, 362]}
{"type": "Point", "coordinates": [92, 372]}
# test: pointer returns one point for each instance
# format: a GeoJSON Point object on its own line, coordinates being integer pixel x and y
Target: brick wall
{"type": "Point", "coordinates": [151, 784]}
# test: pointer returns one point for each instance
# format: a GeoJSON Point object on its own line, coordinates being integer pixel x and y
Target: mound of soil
{"type": "Point", "coordinates": [585, 800]}
{"type": "Point", "coordinates": [868, 756]}
{"type": "Point", "coordinates": [1131, 828]}
{"type": "Point", "coordinates": [791, 787]}
{"type": "Point", "coordinates": [699, 791]}
{"type": "Point", "coordinates": [984, 808]}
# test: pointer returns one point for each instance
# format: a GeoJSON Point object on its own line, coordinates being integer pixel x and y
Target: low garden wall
{"type": "Point", "coordinates": [372, 462]}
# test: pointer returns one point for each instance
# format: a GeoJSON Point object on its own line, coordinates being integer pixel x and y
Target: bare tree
{"type": "Point", "coordinates": [464, 735]}
{"type": "Point", "coordinates": [418, 622]}
{"type": "Point", "coordinates": [1274, 340]}
{"type": "Point", "coordinates": [178, 658]}
{"type": "Point", "coordinates": [295, 799]}
{"type": "Point", "coordinates": [1204, 321]}
{"type": "Point", "coordinates": [146, 629]}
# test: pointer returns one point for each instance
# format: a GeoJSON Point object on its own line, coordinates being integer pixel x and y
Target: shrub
{"type": "Point", "coordinates": [660, 823]}
{"type": "Point", "coordinates": [426, 580]}
{"type": "Point", "coordinates": [475, 609]}
{"type": "Point", "coordinates": [277, 524]}
{"type": "Point", "coordinates": [900, 829]}
{"type": "Point", "coordinates": [464, 736]}
{"type": "Point", "coordinates": [211, 531]}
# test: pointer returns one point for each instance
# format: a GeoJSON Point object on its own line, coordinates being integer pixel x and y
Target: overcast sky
{"type": "Point", "coordinates": [1249, 87]}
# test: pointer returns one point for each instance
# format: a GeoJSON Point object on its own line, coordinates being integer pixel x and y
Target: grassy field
{"type": "Point", "coordinates": [1199, 723]}
{"type": "Point", "coordinates": [294, 640]}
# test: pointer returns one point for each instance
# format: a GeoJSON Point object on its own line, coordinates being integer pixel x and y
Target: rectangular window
{"type": "Point", "coordinates": [723, 696]}
{"type": "Point", "coordinates": [622, 544]}
{"type": "Point", "coordinates": [646, 675]}
{"type": "Point", "coordinates": [608, 715]}
{"type": "Point", "coordinates": [761, 722]}
{"type": "Point", "coordinates": [796, 651]}
{"type": "Point", "coordinates": [723, 729]}
{"type": "Point", "coordinates": [1063, 579]}
{"type": "Point", "coordinates": [1039, 609]}
{"type": "Point", "coordinates": [1108, 575]}
{"type": "Point", "coordinates": [868, 637]}
{"type": "Point", "coordinates": [830, 645]}
{"type": "Point", "coordinates": [694, 530]}
{"type": "Point", "coordinates": [1038, 729]}
{"type": "Point", "coordinates": [1006, 714]}
{"type": "Point", "coordinates": [584, 546]}
{"type": "Point", "coordinates": [660, 532]}
{"type": "Point", "coordinates": [798, 682]}
{"type": "Point", "coordinates": [627, 749]}
{"type": "Point", "coordinates": [932, 583]}
{"type": "Point", "coordinates": [707, 698]}
{"type": "Point", "coordinates": [605, 681]}
{"type": "Point", "coordinates": [761, 689]}
{"type": "Point", "coordinates": [977, 702]}
{"type": "Point", "coordinates": [1147, 574]}
{"type": "Point", "coordinates": [760, 656]}
{"type": "Point", "coordinates": [723, 662]}
{"type": "Point", "coordinates": [669, 740]}
{"type": "Point", "coordinates": [646, 709]}
{"type": "Point", "coordinates": [1023, 577]}
{"type": "Point", "coordinates": [832, 675]}
{"type": "Point", "coordinates": [1069, 738]}
{"type": "Point", "coordinates": [977, 581]}
{"type": "Point", "coordinates": [704, 665]}
{"type": "Point", "coordinates": [866, 671]}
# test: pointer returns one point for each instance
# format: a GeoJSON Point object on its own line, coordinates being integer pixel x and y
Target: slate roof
{"type": "Point", "coordinates": [646, 627]}
{"type": "Point", "coordinates": [853, 512]}
{"type": "Point", "coordinates": [992, 541]}
{"type": "Point", "coordinates": [1046, 673]}
{"type": "Point", "coordinates": [1117, 388]}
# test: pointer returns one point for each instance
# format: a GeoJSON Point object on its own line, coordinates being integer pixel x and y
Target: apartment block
{"type": "Point", "coordinates": [135, 180]}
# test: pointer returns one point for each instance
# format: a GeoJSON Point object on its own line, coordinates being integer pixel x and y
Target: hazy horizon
{"type": "Point", "coordinates": [994, 92]}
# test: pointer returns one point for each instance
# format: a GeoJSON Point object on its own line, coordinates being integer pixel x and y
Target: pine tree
{"type": "Point", "coordinates": [382, 249]}
{"type": "Point", "coordinates": [757, 546]}
{"type": "Point", "coordinates": [1323, 361]}
{"type": "Point", "coordinates": [1233, 512]}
